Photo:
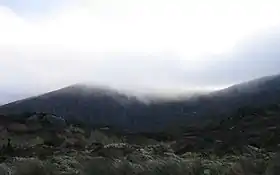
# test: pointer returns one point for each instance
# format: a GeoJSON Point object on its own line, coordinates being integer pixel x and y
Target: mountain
{"type": "Point", "coordinates": [256, 93]}
{"type": "Point", "coordinates": [77, 102]}
{"type": "Point", "coordinates": [100, 106]}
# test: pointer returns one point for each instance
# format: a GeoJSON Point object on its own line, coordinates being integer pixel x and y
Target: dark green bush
{"type": "Point", "coordinates": [34, 167]}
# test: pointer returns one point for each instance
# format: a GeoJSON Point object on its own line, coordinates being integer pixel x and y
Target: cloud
{"type": "Point", "coordinates": [137, 45]}
{"type": "Point", "coordinates": [185, 27]}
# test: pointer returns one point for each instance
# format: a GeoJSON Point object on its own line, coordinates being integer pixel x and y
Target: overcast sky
{"type": "Point", "coordinates": [144, 45]}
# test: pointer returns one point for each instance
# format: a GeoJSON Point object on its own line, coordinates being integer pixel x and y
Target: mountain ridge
{"type": "Point", "coordinates": [112, 108]}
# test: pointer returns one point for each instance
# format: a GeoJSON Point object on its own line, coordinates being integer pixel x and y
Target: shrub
{"type": "Point", "coordinates": [100, 166]}
{"type": "Point", "coordinates": [100, 137]}
{"type": "Point", "coordinates": [247, 167]}
{"type": "Point", "coordinates": [159, 166]}
{"type": "Point", "coordinates": [33, 167]}
{"type": "Point", "coordinates": [4, 170]}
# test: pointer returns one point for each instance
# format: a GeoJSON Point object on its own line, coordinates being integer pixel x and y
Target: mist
{"type": "Point", "coordinates": [164, 51]}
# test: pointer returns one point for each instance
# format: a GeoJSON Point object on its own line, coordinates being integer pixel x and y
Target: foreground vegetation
{"type": "Point", "coordinates": [99, 154]}
{"type": "Point", "coordinates": [37, 146]}
{"type": "Point", "coordinates": [144, 161]}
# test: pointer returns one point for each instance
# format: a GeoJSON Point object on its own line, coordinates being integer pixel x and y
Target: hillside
{"type": "Point", "coordinates": [239, 136]}
{"type": "Point", "coordinates": [98, 106]}
{"type": "Point", "coordinates": [256, 93]}
{"type": "Point", "coordinates": [257, 127]}
{"type": "Point", "coordinates": [77, 102]}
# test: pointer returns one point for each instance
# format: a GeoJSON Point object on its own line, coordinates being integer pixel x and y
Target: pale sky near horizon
{"type": "Point", "coordinates": [164, 45]}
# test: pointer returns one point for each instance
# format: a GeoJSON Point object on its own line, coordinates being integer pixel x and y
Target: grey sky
{"type": "Point", "coordinates": [145, 46]}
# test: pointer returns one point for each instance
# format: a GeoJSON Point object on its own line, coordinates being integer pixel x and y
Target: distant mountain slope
{"type": "Point", "coordinates": [219, 104]}
{"type": "Point", "coordinates": [256, 93]}
{"type": "Point", "coordinates": [78, 102]}
{"type": "Point", "coordinates": [97, 106]}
